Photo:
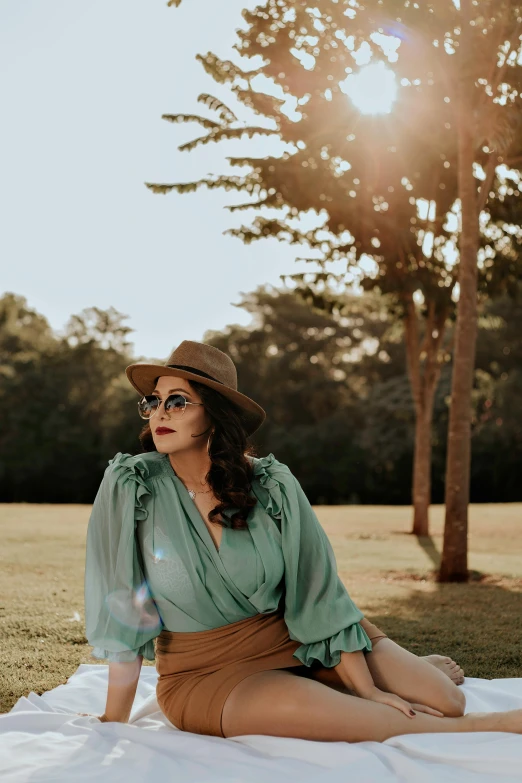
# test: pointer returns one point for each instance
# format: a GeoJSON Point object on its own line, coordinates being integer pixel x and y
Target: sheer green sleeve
{"type": "Point", "coordinates": [319, 612]}
{"type": "Point", "coordinates": [121, 618]}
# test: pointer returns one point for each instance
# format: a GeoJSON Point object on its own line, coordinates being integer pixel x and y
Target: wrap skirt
{"type": "Point", "coordinates": [198, 669]}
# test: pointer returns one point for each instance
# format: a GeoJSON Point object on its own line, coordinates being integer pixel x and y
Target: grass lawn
{"type": "Point", "coordinates": [388, 573]}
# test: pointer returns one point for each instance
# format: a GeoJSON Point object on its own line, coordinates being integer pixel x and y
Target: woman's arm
{"type": "Point", "coordinates": [353, 671]}
{"type": "Point", "coordinates": [121, 617]}
{"type": "Point", "coordinates": [318, 610]}
{"type": "Point", "coordinates": [123, 681]}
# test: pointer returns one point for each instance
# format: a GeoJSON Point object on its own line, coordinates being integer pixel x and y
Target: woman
{"type": "Point", "coordinates": [219, 557]}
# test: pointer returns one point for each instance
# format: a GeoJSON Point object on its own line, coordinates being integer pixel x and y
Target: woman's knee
{"type": "Point", "coordinates": [448, 698]}
{"type": "Point", "coordinates": [454, 703]}
{"type": "Point", "coordinates": [400, 671]}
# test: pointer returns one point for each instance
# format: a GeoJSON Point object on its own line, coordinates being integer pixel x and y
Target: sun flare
{"type": "Point", "coordinates": [372, 89]}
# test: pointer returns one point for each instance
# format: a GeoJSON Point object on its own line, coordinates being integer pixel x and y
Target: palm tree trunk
{"type": "Point", "coordinates": [422, 471]}
{"type": "Point", "coordinates": [454, 563]}
{"type": "Point", "coordinates": [424, 376]}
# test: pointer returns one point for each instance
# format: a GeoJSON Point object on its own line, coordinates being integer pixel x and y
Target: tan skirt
{"type": "Point", "coordinates": [198, 670]}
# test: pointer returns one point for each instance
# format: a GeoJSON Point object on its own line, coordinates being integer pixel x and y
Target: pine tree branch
{"type": "Point", "coordinates": [249, 184]}
{"type": "Point", "coordinates": [245, 161]}
{"type": "Point", "coordinates": [225, 133]}
{"type": "Point", "coordinates": [263, 227]}
{"type": "Point", "coordinates": [270, 201]}
{"type": "Point", "coordinates": [214, 104]}
{"type": "Point", "coordinates": [203, 121]}
{"type": "Point", "coordinates": [223, 71]}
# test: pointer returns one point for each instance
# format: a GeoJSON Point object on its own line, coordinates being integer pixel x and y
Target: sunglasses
{"type": "Point", "coordinates": [175, 403]}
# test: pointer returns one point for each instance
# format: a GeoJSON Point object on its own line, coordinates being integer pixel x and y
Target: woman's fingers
{"type": "Point", "coordinates": [427, 710]}
{"type": "Point", "coordinates": [409, 709]}
{"type": "Point", "coordinates": [405, 707]}
{"type": "Point", "coordinates": [395, 701]}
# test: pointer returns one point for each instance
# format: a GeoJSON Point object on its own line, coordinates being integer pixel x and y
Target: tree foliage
{"type": "Point", "coordinates": [383, 188]}
{"type": "Point", "coordinates": [335, 388]}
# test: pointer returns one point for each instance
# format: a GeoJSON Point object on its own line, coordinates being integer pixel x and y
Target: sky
{"type": "Point", "coordinates": [83, 90]}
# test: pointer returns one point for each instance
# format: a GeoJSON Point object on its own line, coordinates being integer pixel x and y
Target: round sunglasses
{"type": "Point", "coordinates": [175, 403]}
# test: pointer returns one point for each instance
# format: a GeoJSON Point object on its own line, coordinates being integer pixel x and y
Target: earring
{"type": "Point", "coordinates": [209, 441]}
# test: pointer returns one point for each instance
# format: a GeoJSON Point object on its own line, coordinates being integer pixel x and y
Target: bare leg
{"type": "Point", "coordinates": [279, 703]}
{"type": "Point", "coordinates": [399, 671]}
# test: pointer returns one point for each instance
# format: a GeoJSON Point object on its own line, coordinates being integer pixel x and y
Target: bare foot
{"type": "Point", "coordinates": [447, 666]}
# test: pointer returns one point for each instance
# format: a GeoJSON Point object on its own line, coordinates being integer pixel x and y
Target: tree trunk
{"type": "Point", "coordinates": [424, 376]}
{"type": "Point", "coordinates": [454, 563]}
{"type": "Point", "coordinates": [422, 471]}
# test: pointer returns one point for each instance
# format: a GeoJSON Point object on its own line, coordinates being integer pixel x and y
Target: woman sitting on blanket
{"type": "Point", "coordinates": [212, 562]}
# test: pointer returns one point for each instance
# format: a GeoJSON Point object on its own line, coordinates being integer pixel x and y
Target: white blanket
{"type": "Point", "coordinates": [43, 739]}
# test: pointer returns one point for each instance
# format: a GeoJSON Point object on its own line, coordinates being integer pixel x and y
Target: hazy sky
{"type": "Point", "coordinates": [83, 88]}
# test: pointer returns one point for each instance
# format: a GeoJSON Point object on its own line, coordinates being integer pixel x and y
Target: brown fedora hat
{"type": "Point", "coordinates": [205, 364]}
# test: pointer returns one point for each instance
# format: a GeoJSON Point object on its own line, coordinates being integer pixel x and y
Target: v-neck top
{"type": "Point", "coordinates": [151, 563]}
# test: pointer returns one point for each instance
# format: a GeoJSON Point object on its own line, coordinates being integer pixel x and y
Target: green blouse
{"type": "Point", "coordinates": [151, 563]}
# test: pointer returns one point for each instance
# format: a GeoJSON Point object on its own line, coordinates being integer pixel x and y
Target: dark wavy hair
{"type": "Point", "coordinates": [230, 474]}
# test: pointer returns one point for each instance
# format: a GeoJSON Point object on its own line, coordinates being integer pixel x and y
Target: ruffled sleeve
{"type": "Point", "coordinates": [318, 610]}
{"type": "Point", "coordinates": [121, 618]}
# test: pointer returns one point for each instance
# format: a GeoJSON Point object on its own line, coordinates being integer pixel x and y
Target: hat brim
{"type": "Point", "coordinates": [143, 378]}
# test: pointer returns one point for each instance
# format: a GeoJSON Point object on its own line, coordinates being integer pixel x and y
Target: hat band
{"type": "Point", "coordinates": [194, 370]}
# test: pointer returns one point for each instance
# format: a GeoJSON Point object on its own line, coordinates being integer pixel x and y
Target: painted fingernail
{"type": "Point", "coordinates": [412, 712]}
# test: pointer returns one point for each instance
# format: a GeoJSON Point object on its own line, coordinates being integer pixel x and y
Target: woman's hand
{"type": "Point", "coordinates": [382, 697]}
{"type": "Point", "coordinates": [102, 718]}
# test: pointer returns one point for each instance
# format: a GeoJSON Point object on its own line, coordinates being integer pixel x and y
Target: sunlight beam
{"type": "Point", "coordinates": [373, 89]}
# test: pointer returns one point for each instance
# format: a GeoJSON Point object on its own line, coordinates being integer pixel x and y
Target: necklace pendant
{"type": "Point", "coordinates": [192, 493]}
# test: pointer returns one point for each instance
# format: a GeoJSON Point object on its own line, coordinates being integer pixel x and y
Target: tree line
{"type": "Point", "coordinates": [339, 407]}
